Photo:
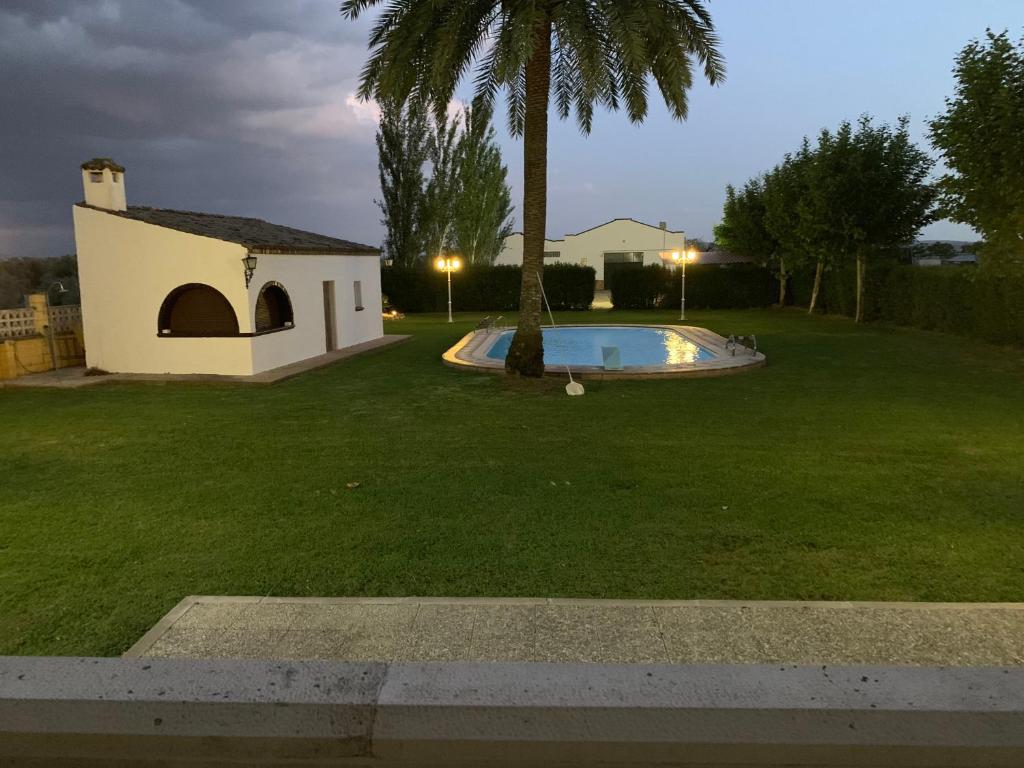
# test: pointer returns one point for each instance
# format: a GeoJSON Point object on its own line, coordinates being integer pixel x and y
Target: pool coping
{"type": "Point", "coordinates": [468, 353]}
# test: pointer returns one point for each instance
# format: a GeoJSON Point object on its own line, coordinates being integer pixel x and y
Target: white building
{"type": "Point", "coordinates": [167, 291]}
{"type": "Point", "coordinates": [619, 241]}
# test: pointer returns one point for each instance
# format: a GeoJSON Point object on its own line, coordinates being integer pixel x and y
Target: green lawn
{"type": "Point", "coordinates": [861, 463]}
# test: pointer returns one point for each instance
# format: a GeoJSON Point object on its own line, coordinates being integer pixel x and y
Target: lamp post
{"type": "Point", "coordinates": [681, 258]}
{"type": "Point", "coordinates": [449, 265]}
{"type": "Point", "coordinates": [49, 320]}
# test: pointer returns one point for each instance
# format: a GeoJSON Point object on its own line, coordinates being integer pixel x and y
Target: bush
{"type": "Point", "coordinates": [483, 288]}
{"type": "Point", "coordinates": [642, 288]}
{"type": "Point", "coordinates": [569, 286]}
{"type": "Point", "coordinates": [960, 300]}
{"type": "Point", "coordinates": [708, 286]}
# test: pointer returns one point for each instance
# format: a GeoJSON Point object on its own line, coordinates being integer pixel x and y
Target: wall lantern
{"type": "Point", "coordinates": [249, 262]}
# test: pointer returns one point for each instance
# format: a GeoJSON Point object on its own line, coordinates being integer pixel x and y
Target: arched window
{"type": "Point", "coordinates": [273, 308]}
{"type": "Point", "coordinates": [197, 310]}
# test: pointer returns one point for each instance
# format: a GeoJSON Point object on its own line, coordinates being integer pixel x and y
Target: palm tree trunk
{"type": "Point", "coordinates": [782, 282]}
{"type": "Point", "coordinates": [861, 267]}
{"type": "Point", "coordinates": [817, 286]}
{"type": "Point", "coordinates": [526, 354]}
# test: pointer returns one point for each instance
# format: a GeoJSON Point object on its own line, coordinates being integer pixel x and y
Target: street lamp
{"type": "Point", "coordinates": [681, 258]}
{"type": "Point", "coordinates": [449, 265]}
{"type": "Point", "coordinates": [49, 321]}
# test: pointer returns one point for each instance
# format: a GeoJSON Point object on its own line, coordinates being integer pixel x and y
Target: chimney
{"type": "Point", "coordinates": [103, 180]}
{"type": "Point", "coordinates": [663, 225]}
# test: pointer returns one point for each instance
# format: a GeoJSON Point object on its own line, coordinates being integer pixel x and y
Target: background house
{"type": "Point", "coordinates": [605, 247]}
{"type": "Point", "coordinates": [167, 291]}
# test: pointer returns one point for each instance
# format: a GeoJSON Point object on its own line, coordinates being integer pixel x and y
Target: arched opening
{"type": "Point", "coordinates": [273, 309]}
{"type": "Point", "coordinates": [196, 309]}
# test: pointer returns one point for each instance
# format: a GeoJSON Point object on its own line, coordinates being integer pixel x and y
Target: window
{"type": "Point", "coordinates": [273, 309]}
{"type": "Point", "coordinates": [552, 254]}
{"type": "Point", "coordinates": [196, 309]}
{"type": "Point", "coordinates": [583, 261]}
{"type": "Point", "coordinates": [357, 290]}
{"type": "Point", "coordinates": [96, 177]}
{"type": "Point", "coordinates": [116, 176]}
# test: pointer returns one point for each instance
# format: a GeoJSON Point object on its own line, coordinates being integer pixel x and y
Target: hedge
{"type": "Point", "coordinates": [484, 288]}
{"type": "Point", "coordinates": [961, 300]}
{"type": "Point", "coordinates": [708, 286]}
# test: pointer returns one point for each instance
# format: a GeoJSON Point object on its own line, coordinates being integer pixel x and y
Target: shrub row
{"type": "Point", "coordinates": [708, 286]}
{"type": "Point", "coordinates": [960, 300]}
{"type": "Point", "coordinates": [484, 288]}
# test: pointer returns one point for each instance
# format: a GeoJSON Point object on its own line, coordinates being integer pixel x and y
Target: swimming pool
{"type": "Point", "coordinates": [612, 351]}
{"type": "Point", "coordinates": [582, 346]}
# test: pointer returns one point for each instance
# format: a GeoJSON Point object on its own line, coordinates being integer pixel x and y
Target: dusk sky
{"type": "Point", "coordinates": [247, 107]}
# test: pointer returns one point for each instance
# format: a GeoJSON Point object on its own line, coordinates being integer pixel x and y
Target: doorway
{"type": "Point", "coordinates": [330, 321]}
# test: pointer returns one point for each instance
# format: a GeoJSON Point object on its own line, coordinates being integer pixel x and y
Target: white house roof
{"type": "Point", "coordinates": [255, 234]}
{"type": "Point", "coordinates": [605, 224]}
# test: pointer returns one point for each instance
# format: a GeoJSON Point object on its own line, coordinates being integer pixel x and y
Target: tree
{"type": "Point", "coordinates": [981, 139]}
{"type": "Point", "coordinates": [580, 53]}
{"type": "Point", "coordinates": [483, 207]}
{"type": "Point", "coordinates": [868, 193]}
{"type": "Point", "coordinates": [743, 229]}
{"type": "Point", "coordinates": [785, 192]}
{"type": "Point", "coordinates": [439, 197]}
{"type": "Point", "coordinates": [402, 149]}
{"type": "Point", "coordinates": [21, 276]}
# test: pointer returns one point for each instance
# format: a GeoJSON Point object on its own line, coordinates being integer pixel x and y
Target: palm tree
{"type": "Point", "coordinates": [581, 52]}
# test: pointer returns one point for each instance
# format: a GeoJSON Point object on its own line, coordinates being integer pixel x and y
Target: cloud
{"type": "Point", "coordinates": [235, 107]}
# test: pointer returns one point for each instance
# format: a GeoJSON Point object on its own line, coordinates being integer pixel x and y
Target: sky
{"type": "Point", "coordinates": [247, 107]}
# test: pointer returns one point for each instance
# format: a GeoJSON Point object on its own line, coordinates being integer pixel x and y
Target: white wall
{"type": "Point", "coordinates": [302, 277]}
{"type": "Point", "coordinates": [127, 268]}
{"type": "Point", "coordinates": [588, 248]}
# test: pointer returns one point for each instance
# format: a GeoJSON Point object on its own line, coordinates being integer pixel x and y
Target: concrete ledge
{"type": "Point", "coordinates": [470, 353]}
{"type": "Point", "coordinates": [73, 378]}
{"type": "Point", "coordinates": [79, 711]}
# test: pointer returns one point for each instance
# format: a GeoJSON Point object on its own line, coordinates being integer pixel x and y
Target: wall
{"type": "Point", "coordinates": [126, 268]}
{"type": "Point", "coordinates": [25, 346]}
{"type": "Point", "coordinates": [178, 712]}
{"type": "Point", "coordinates": [587, 248]}
{"type": "Point", "coordinates": [302, 277]}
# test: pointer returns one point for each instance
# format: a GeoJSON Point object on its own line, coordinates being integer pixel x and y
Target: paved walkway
{"type": "Point", "coordinates": [606, 631]}
{"type": "Point", "coordinates": [73, 378]}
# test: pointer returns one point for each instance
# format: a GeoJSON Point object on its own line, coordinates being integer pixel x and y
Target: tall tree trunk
{"type": "Point", "coordinates": [861, 267]}
{"type": "Point", "coordinates": [782, 282]}
{"type": "Point", "coordinates": [817, 286]}
{"type": "Point", "coordinates": [526, 354]}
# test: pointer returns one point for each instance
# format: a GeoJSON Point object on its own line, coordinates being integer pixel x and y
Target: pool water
{"type": "Point", "coordinates": [638, 346]}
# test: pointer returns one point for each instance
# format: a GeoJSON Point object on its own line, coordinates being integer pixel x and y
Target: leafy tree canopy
{"type": "Point", "coordinates": [981, 139]}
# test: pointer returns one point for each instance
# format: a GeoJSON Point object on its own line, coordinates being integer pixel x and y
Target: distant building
{"type": "Point", "coordinates": [167, 291]}
{"type": "Point", "coordinates": [604, 247]}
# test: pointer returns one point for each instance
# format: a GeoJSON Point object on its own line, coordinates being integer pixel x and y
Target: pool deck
{"type": "Point", "coordinates": [470, 353]}
{"type": "Point", "coordinates": [590, 631]}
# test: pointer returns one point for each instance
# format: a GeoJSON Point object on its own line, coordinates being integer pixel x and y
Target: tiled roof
{"type": "Point", "coordinates": [102, 163]}
{"type": "Point", "coordinates": [255, 234]}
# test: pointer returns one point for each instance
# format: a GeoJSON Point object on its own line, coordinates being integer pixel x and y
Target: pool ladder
{"type": "Point", "coordinates": [492, 324]}
{"type": "Point", "coordinates": [749, 342]}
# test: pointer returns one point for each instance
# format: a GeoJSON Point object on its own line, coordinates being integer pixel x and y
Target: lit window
{"type": "Point", "coordinates": [357, 290]}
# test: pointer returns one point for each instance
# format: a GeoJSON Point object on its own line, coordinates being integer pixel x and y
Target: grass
{"type": "Point", "coordinates": [861, 463]}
